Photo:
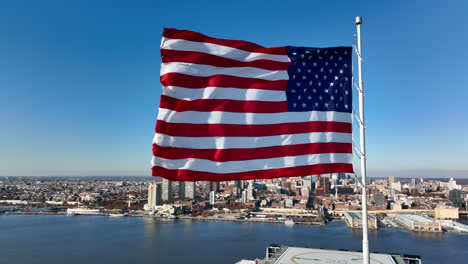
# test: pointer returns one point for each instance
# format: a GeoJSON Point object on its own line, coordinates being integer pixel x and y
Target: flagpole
{"type": "Point", "coordinates": [365, 240]}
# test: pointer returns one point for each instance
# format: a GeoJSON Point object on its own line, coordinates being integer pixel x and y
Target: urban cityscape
{"type": "Point", "coordinates": [422, 205]}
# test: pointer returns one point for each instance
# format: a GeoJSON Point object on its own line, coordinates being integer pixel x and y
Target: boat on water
{"type": "Point", "coordinates": [289, 222]}
{"type": "Point", "coordinates": [84, 211]}
{"type": "Point", "coordinates": [117, 215]}
{"type": "Point", "coordinates": [276, 254]}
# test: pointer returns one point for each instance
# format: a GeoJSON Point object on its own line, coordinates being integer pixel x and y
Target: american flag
{"type": "Point", "coordinates": [234, 110]}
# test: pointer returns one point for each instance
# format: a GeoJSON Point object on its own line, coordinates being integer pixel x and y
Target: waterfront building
{"type": "Point", "coordinates": [166, 191]}
{"type": "Point", "coordinates": [181, 192]}
{"type": "Point", "coordinates": [244, 196]}
{"type": "Point", "coordinates": [212, 198]}
{"type": "Point", "coordinates": [419, 223]}
{"type": "Point", "coordinates": [446, 213]}
{"type": "Point", "coordinates": [154, 196]}
{"type": "Point", "coordinates": [186, 190]}
{"type": "Point", "coordinates": [354, 220]}
{"type": "Point", "coordinates": [84, 211]}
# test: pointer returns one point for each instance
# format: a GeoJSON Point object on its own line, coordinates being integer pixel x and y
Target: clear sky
{"type": "Point", "coordinates": [79, 80]}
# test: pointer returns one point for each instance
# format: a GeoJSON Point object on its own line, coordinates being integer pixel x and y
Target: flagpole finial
{"type": "Point", "coordinates": [358, 20]}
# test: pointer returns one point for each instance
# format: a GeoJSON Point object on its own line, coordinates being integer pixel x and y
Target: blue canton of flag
{"type": "Point", "coordinates": [320, 79]}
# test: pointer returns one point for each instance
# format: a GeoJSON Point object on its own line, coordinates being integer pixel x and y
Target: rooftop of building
{"type": "Point", "coordinates": [286, 255]}
{"type": "Point", "coordinates": [358, 215]}
{"type": "Point", "coordinates": [416, 218]}
{"type": "Point", "coordinates": [443, 206]}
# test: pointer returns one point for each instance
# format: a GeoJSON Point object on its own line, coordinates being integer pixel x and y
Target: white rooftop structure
{"type": "Point", "coordinates": [298, 255]}
{"type": "Point", "coordinates": [418, 218]}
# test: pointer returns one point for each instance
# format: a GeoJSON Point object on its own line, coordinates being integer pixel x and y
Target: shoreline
{"type": "Point", "coordinates": [207, 219]}
{"type": "Point", "coordinates": [166, 218]}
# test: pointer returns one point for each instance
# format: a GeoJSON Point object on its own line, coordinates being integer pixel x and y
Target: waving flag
{"type": "Point", "coordinates": [234, 110]}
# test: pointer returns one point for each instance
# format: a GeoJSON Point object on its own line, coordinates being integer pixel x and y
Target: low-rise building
{"type": "Point", "coordinates": [446, 213]}
{"type": "Point", "coordinates": [419, 223]}
{"type": "Point", "coordinates": [354, 220]}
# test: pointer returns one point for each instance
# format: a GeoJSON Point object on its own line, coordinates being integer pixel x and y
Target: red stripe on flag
{"type": "Point", "coordinates": [220, 80]}
{"type": "Point", "coordinates": [213, 60]}
{"type": "Point", "coordinates": [189, 175]}
{"type": "Point", "coordinates": [235, 130]}
{"type": "Point", "coordinates": [225, 105]}
{"type": "Point", "coordinates": [238, 44]}
{"type": "Point", "coordinates": [223, 155]}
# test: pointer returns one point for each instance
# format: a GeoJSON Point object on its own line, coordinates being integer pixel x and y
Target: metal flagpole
{"type": "Point", "coordinates": [365, 241]}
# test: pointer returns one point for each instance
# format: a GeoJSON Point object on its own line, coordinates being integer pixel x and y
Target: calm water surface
{"type": "Point", "coordinates": [97, 239]}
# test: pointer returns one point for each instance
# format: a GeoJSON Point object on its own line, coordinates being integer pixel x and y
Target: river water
{"type": "Point", "coordinates": [99, 239]}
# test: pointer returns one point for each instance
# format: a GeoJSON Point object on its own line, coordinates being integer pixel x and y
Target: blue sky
{"type": "Point", "coordinates": [79, 80]}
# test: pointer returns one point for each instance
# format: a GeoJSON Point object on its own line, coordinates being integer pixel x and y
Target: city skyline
{"type": "Point", "coordinates": [81, 81]}
{"type": "Point", "coordinates": [427, 207]}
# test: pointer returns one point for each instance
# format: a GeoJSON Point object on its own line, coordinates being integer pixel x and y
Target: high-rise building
{"type": "Point", "coordinates": [391, 181]}
{"type": "Point", "coordinates": [240, 184]}
{"type": "Point", "coordinates": [190, 190]}
{"type": "Point", "coordinates": [166, 190]}
{"type": "Point", "coordinates": [452, 185]}
{"type": "Point", "coordinates": [186, 190]}
{"type": "Point", "coordinates": [250, 192]}
{"type": "Point", "coordinates": [244, 196]}
{"type": "Point", "coordinates": [154, 196]}
{"type": "Point", "coordinates": [214, 186]}
{"type": "Point", "coordinates": [334, 176]}
{"type": "Point", "coordinates": [181, 192]}
{"type": "Point", "coordinates": [379, 199]}
{"type": "Point", "coordinates": [212, 198]}
{"type": "Point", "coordinates": [307, 182]}
{"type": "Point", "coordinates": [322, 186]}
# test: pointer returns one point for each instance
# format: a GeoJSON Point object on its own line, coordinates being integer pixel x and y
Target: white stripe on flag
{"type": "Point", "coordinates": [219, 50]}
{"type": "Point", "coordinates": [208, 70]}
{"type": "Point", "coordinates": [189, 94]}
{"type": "Point", "coordinates": [250, 142]}
{"type": "Point", "coordinates": [251, 165]}
{"type": "Point", "coordinates": [218, 117]}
